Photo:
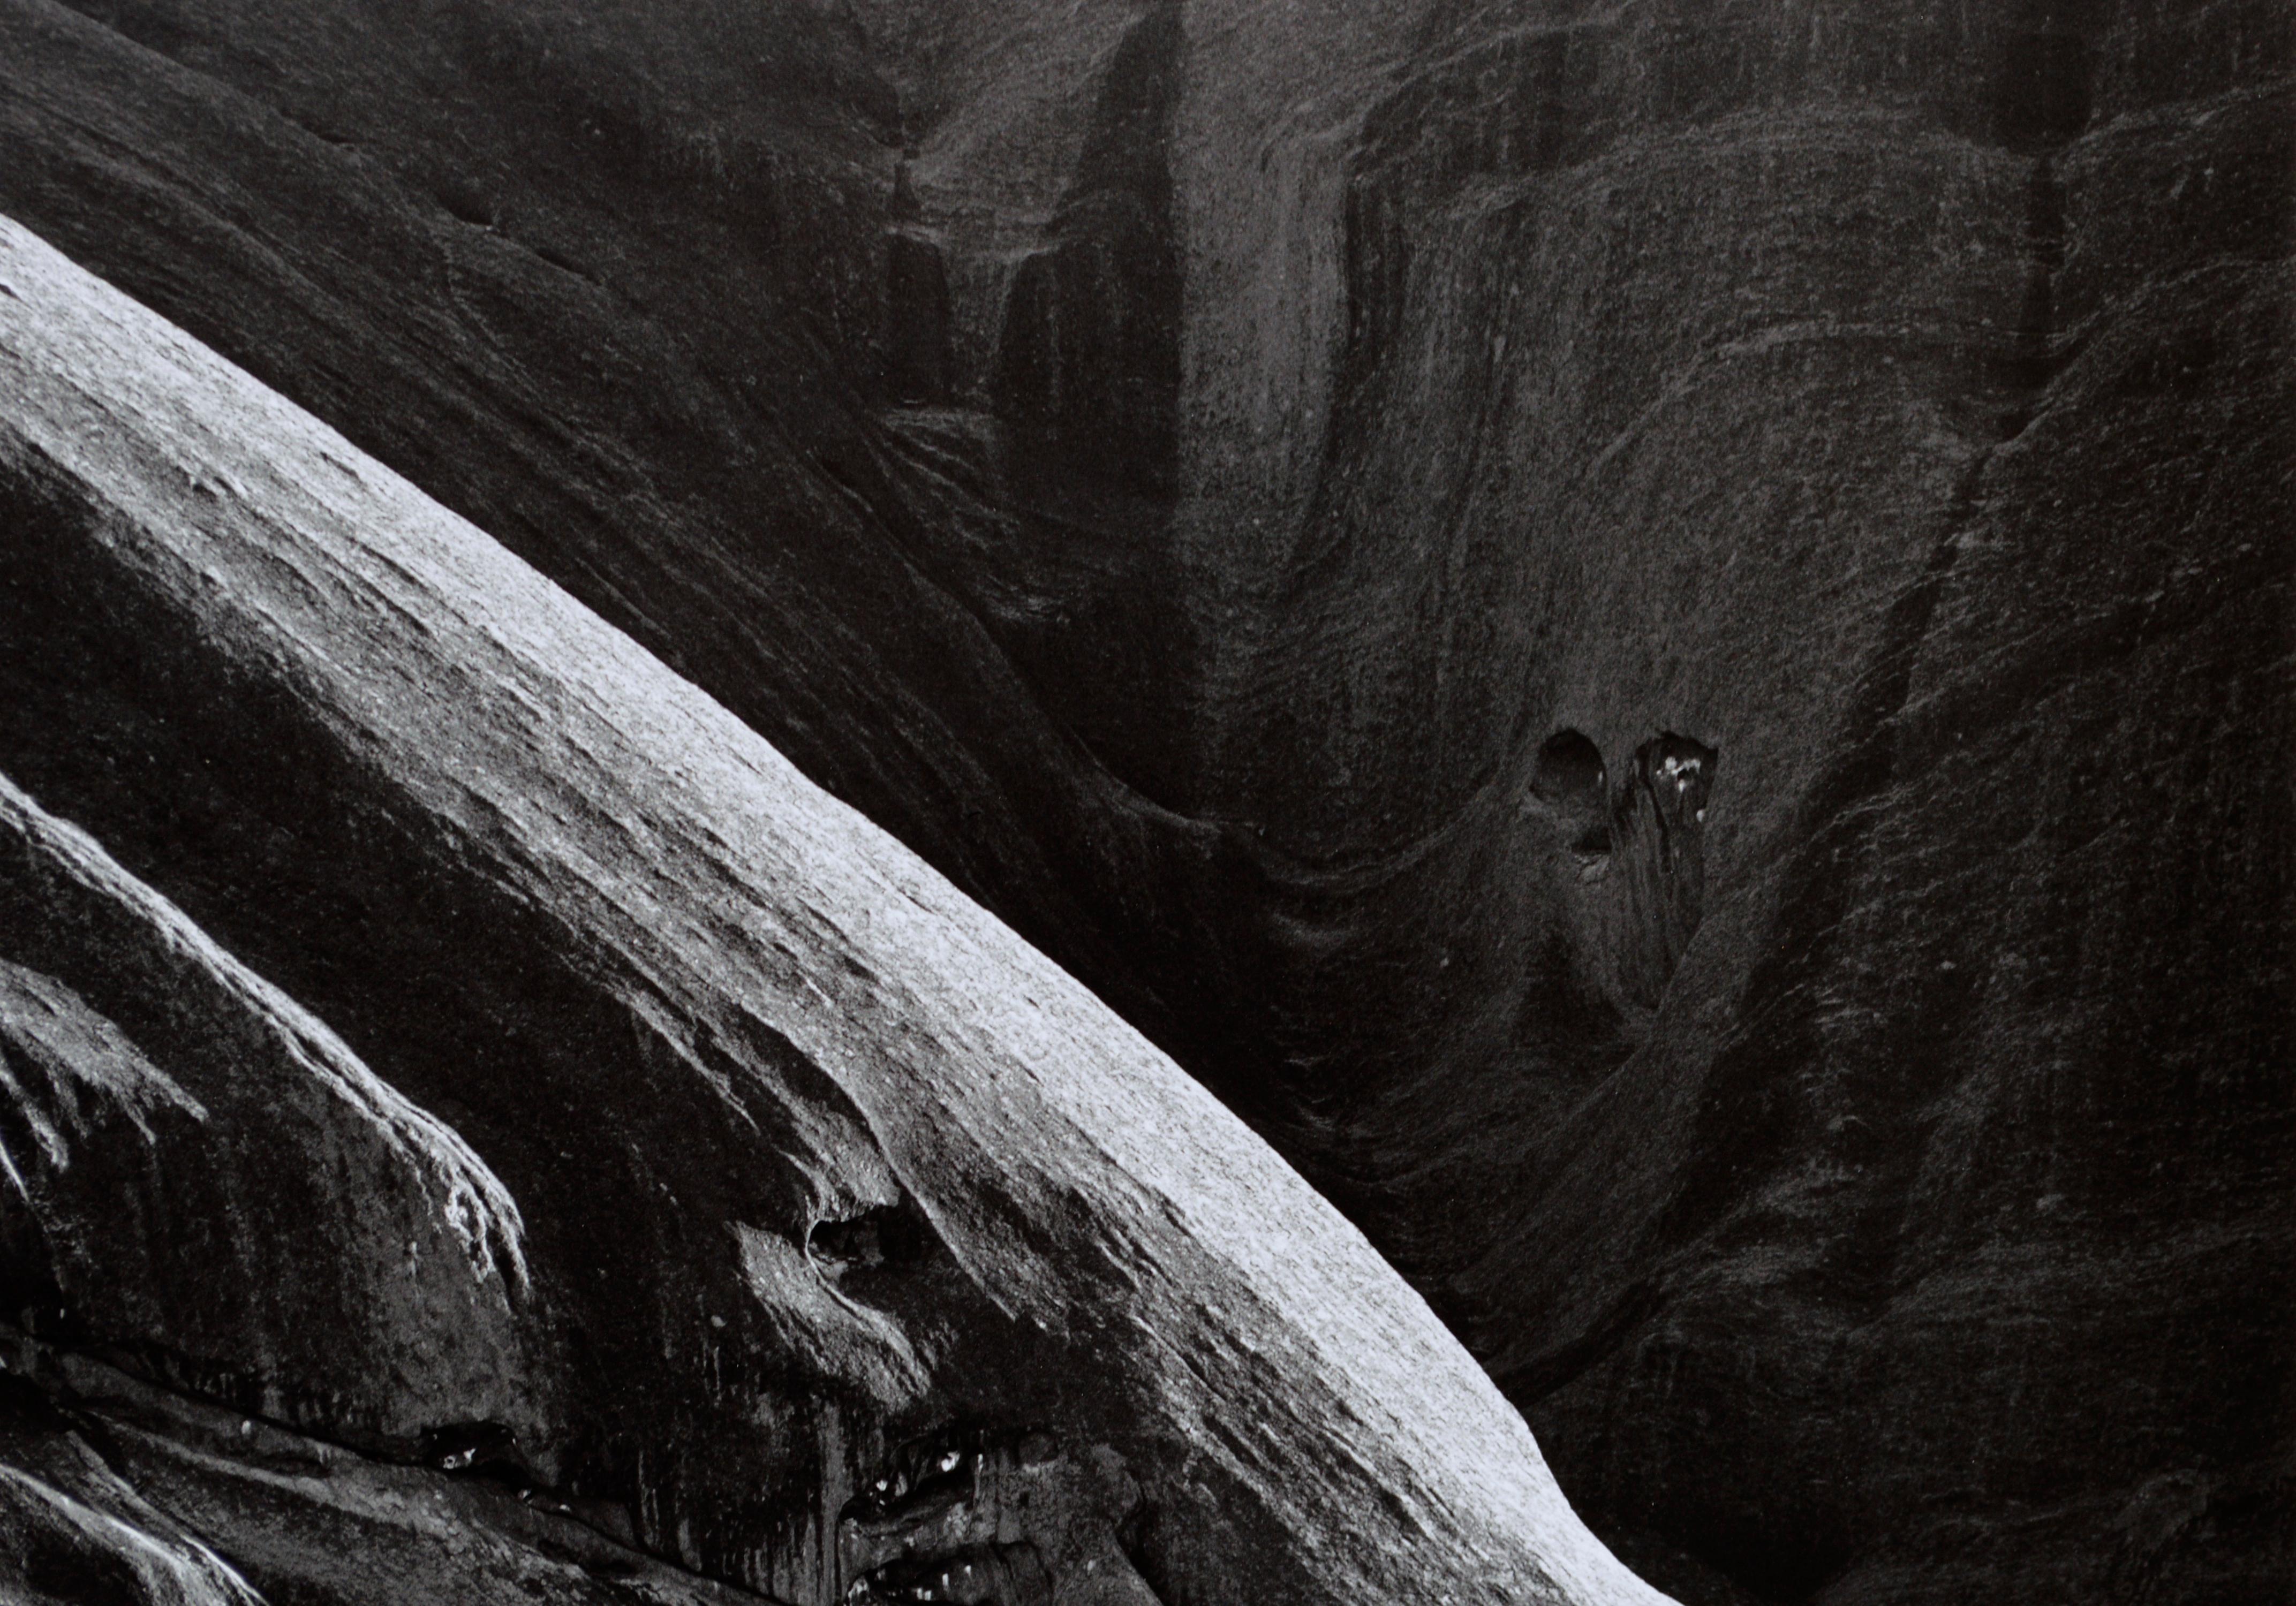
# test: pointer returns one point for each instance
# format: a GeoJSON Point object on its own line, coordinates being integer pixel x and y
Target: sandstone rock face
{"type": "Point", "coordinates": [1271, 498]}
{"type": "Point", "coordinates": [791, 1152]}
{"type": "Point", "coordinates": [269, 1213]}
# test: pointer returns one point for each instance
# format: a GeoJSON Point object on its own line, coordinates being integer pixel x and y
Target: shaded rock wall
{"type": "Point", "coordinates": [264, 1216]}
{"type": "Point", "coordinates": [150, 1483]}
{"type": "Point", "coordinates": [1756, 374]}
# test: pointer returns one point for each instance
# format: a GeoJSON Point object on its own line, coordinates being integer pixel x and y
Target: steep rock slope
{"type": "Point", "coordinates": [610, 282]}
{"type": "Point", "coordinates": [807, 1152]}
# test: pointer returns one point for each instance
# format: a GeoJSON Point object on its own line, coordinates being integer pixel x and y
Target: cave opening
{"type": "Point", "coordinates": [1570, 780]}
{"type": "Point", "coordinates": [1570, 769]}
{"type": "Point", "coordinates": [2043, 94]}
{"type": "Point", "coordinates": [883, 1236]}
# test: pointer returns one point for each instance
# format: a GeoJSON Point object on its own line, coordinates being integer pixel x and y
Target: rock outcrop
{"type": "Point", "coordinates": [1260, 492]}
{"type": "Point", "coordinates": [759, 1149]}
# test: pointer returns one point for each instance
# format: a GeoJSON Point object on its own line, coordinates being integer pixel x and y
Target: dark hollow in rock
{"type": "Point", "coordinates": [1008, 1517]}
{"type": "Point", "coordinates": [884, 1236]}
{"type": "Point", "coordinates": [479, 1449]}
{"type": "Point", "coordinates": [1570, 770]}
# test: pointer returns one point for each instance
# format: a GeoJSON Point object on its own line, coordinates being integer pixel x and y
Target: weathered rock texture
{"type": "Point", "coordinates": [806, 1150]}
{"type": "Point", "coordinates": [181, 1208]}
{"type": "Point", "coordinates": [137, 1474]}
{"type": "Point", "coordinates": [1258, 492]}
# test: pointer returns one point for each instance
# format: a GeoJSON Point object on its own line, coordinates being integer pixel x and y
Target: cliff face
{"type": "Point", "coordinates": [1655, 637]}
{"type": "Point", "coordinates": [1895, 402]}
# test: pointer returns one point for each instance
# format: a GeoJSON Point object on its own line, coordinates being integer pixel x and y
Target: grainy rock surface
{"type": "Point", "coordinates": [809, 1154]}
{"type": "Point", "coordinates": [1260, 492]}
{"type": "Point", "coordinates": [139, 1474]}
{"type": "Point", "coordinates": [262, 1211]}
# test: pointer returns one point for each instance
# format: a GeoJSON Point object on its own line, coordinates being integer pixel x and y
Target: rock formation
{"type": "Point", "coordinates": [1652, 637]}
{"type": "Point", "coordinates": [788, 1147]}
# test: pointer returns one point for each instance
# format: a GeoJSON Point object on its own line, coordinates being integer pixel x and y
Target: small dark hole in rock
{"type": "Point", "coordinates": [1677, 772]}
{"type": "Point", "coordinates": [477, 1448]}
{"type": "Point", "coordinates": [1570, 769]}
{"type": "Point", "coordinates": [941, 1464]}
{"type": "Point", "coordinates": [889, 1236]}
{"type": "Point", "coordinates": [938, 1463]}
{"type": "Point", "coordinates": [468, 202]}
{"type": "Point", "coordinates": [2043, 94]}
